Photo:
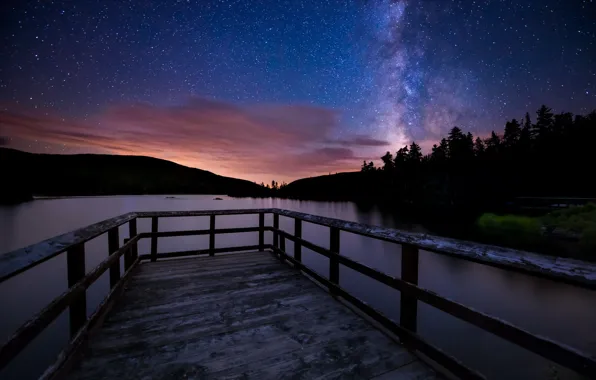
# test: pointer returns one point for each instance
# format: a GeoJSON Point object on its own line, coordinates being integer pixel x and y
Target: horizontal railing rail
{"type": "Point", "coordinates": [554, 268]}
{"type": "Point", "coordinates": [15, 262]}
{"type": "Point", "coordinates": [73, 243]}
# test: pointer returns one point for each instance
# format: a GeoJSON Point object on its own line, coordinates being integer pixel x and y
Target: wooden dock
{"type": "Point", "coordinates": [241, 316]}
{"type": "Point", "coordinates": [216, 313]}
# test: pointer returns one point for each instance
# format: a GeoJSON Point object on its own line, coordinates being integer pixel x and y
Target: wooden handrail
{"type": "Point", "coordinates": [547, 348]}
{"type": "Point", "coordinates": [30, 329]}
{"type": "Point", "coordinates": [15, 262]}
{"type": "Point", "coordinates": [558, 269]}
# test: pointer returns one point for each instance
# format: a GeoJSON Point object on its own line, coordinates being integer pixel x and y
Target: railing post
{"type": "Point", "coordinates": [261, 231]}
{"type": "Point", "coordinates": [275, 234]}
{"type": "Point", "coordinates": [113, 245]}
{"type": "Point", "coordinates": [127, 256]}
{"type": "Point", "coordinates": [75, 264]}
{"type": "Point", "coordinates": [298, 235]}
{"type": "Point", "coordinates": [132, 232]}
{"type": "Point", "coordinates": [211, 235]}
{"type": "Point", "coordinates": [409, 273]}
{"type": "Point", "coordinates": [333, 262]}
{"type": "Point", "coordinates": [282, 247]}
{"type": "Point", "coordinates": [154, 239]}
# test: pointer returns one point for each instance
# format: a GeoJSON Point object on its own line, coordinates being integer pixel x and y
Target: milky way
{"type": "Point", "coordinates": [386, 71]}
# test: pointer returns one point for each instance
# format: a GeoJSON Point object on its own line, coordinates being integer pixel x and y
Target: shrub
{"type": "Point", "coordinates": [513, 230]}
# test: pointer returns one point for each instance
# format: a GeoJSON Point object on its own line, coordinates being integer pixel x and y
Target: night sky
{"type": "Point", "coordinates": [279, 90]}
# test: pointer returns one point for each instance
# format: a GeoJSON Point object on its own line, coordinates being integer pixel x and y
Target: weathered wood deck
{"type": "Point", "coordinates": [237, 316]}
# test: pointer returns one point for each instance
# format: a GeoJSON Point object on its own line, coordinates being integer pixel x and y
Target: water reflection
{"type": "Point", "coordinates": [558, 311]}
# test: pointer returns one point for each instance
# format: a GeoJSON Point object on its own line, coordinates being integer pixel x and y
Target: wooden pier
{"type": "Point", "coordinates": [256, 312]}
{"type": "Point", "coordinates": [243, 315]}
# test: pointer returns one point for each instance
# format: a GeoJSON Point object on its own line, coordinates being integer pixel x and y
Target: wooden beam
{"type": "Point", "coordinates": [212, 235]}
{"type": "Point", "coordinates": [205, 232]}
{"type": "Point", "coordinates": [131, 255]}
{"type": "Point", "coordinates": [113, 245]}
{"type": "Point", "coordinates": [333, 260]}
{"type": "Point", "coordinates": [132, 232]}
{"type": "Point", "coordinates": [409, 273]}
{"type": "Point", "coordinates": [154, 227]}
{"type": "Point", "coordinates": [298, 234]}
{"type": "Point", "coordinates": [198, 252]}
{"type": "Point", "coordinates": [275, 227]}
{"type": "Point", "coordinates": [18, 261]}
{"type": "Point", "coordinates": [261, 231]}
{"type": "Point", "coordinates": [282, 246]}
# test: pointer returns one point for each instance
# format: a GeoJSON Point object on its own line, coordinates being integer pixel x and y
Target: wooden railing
{"type": "Point", "coordinates": [81, 325]}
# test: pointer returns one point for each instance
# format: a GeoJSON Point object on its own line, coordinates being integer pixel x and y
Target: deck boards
{"type": "Point", "coordinates": [240, 316]}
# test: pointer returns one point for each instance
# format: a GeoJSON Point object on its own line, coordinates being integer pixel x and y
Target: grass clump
{"type": "Point", "coordinates": [511, 230]}
{"type": "Point", "coordinates": [576, 224]}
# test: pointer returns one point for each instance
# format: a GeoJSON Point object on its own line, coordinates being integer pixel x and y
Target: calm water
{"type": "Point", "coordinates": [561, 312]}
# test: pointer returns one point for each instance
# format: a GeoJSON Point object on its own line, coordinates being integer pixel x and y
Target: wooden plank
{"type": "Point", "coordinates": [210, 231]}
{"type": "Point", "coordinates": [273, 323]}
{"type": "Point", "coordinates": [409, 273]}
{"type": "Point", "coordinates": [187, 264]}
{"type": "Point", "coordinates": [198, 252]}
{"type": "Point", "coordinates": [174, 214]}
{"type": "Point", "coordinates": [203, 261]}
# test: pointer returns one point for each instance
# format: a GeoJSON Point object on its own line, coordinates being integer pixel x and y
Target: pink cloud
{"type": "Point", "coordinates": [264, 142]}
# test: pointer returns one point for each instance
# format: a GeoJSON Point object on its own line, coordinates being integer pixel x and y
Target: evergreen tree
{"type": "Point", "coordinates": [479, 147]}
{"type": "Point", "coordinates": [401, 157]}
{"type": "Point", "coordinates": [512, 133]}
{"type": "Point", "coordinates": [387, 162]}
{"type": "Point", "coordinates": [544, 121]}
{"type": "Point", "coordinates": [415, 153]}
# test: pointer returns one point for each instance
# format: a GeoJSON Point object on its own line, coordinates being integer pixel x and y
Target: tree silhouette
{"type": "Point", "coordinates": [544, 121]}
{"type": "Point", "coordinates": [415, 153]}
{"type": "Point", "coordinates": [388, 164]}
{"type": "Point", "coordinates": [479, 147]}
{"type": "Point", "coordinates": [512, 133]}
{"type": "Point", "coordinates": [546, 158]}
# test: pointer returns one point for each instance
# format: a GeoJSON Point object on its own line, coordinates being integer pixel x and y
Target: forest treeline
{"type": "Point", "coordinates": [550, 155]}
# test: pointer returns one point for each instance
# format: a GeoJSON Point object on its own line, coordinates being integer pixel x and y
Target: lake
{"type": "Point", "coordinates": [558, 311]}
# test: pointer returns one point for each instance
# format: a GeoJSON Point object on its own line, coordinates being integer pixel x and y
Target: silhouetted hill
{"type": "Point", "coordinates": [25, 174]}
{"type": "Point", "coordinates": [340, 186]}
